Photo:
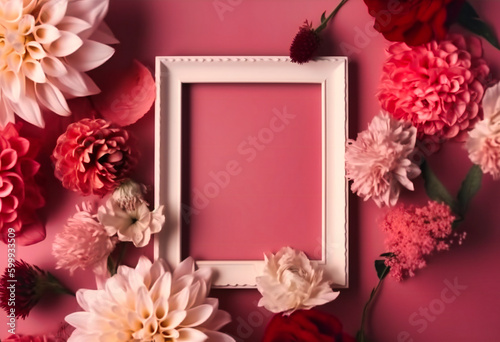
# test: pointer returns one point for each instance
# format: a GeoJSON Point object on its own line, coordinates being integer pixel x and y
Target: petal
{"type": "Point", "coordinates": [216, 336]}
{"type": "Point", "coordinates": [104, 35]}
{"type": "Point", "coordinates": [28, 109]}
{"type": "Point", "coordinates": [191, 335]}
{"type": "Point", "coordinates": [75, 83]}
{"type": "Point", "coordinates": [53, 66]}
{"type": "Point", "coordinates": [90, 55]}
{"type": "Point", "coordinates": [92, 11]}
{"type": "Point", "coordinates": [6, 113]}
{"type": "Point", "coordinates": [491, 100]}
{"type": "Point", "coordinates": [14, 61]}
{"type": "Point", "coordinates": [65, 45]}
{"type": "Point", "coordinates": [12, 11]}
{"type": "Point", "coordinates": [161, 288]}
{"type": "Point", "coordinates": [197, 315]}
{"type": "Point", "coordinates": [174, 318]}
{"type": "Point", "coordinates": [52, 98]}
{"type": "Point", "coordinates": [11, 85]}
{"type": "Point", "coordinates": [26, 25]}
{"type": "Point", "coordinates": [52, 12]}
{"type": "Point", "coordinates": [33, 70]}
{"type": "Point", "coordinates": [46, 34]}
{"type": "Point", "coordinates": [74, 25]}
{"type": "Point", "coordinates": [35, 50]}
{"type": "Point", "coordinates": [31, 233]}
{"type": "Point", "coordinates": [144, 304]}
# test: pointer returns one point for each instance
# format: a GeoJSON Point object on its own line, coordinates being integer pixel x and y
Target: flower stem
{"type": "Point", "coordinates": [120, 256]}
{"type": "Point", "coordinates": [52, 284]}
{"type": "Point", "coordinates": [324, 22]}
{"type": "Point", "coordinates": [361, 336]}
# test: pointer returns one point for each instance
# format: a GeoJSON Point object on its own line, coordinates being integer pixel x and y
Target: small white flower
{"type": "Point", "coordinates": [150, 304]}
{"type": "Point", "coordinates": [291, 282]}
{"type": "Point", "coordinates": [134, 225]}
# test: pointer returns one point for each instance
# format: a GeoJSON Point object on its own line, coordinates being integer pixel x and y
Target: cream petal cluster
{"type": "Point", "coordinates": [291, 282]}
{"type": "Point", "coordinates": [483, 143]}
{"type": "Point", "coordinates": [378, 160]}
{"type": "Point", "coordinates": [150, 304]}
{"type": "Point", "coordinates": [46, 46]}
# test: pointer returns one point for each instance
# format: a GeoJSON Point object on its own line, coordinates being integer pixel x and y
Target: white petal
{"type": "Point", "coordinates": [33, 70]}
{"type": "Point", "coordinates": [144, 304]}
{"type": "Point", "coordinates": [220, 319]}
{"type": "Point", "coordinates": [65, 45]}
{"type": "Point", "coordinates": [46, 34]}
{"type": "Point", "coordinates": [11, 85]}
{"type": "Point", "coordinates": [28, 109]}
{"type": "Point", "coordinates": [35, 50]}
{"type": "Point", "coordinates": [185, 267]}
{"type": "Point", "coordinates": [161, 288]}
{"type": "Point", "coordinates": [90, 55]}
{"type": "Point", "coordinates": [216, 336]}
{"type": "Point", "coordinates": [12, 11]}
{"type": "Point", "coordinates": [74, 25]}
{"type": "Point", "coordinates": [6, 113]}
{"type": "Point", "coordinates": [174, 318]}
{"type": "Point", "coordinates": [79, 320]}
{"type": "Point", "coordinates": [52, 66]}
{"type": "Point", "coordinates": [26, 25]}
{"type": "Point", "coordinates": [52, 12]}
{"type": "Point", "coordinates": [104, 35]}
{"type": "Point", "coordinates": [191, 335]}
{"type": "Point", "coordinates": [491, 100]}
{"type": "Point", "coordinates": [92, 11]}
{"type": "Point", "coordinates": [52, 98]}
{"type": "Point", "coordinates": [14, 61]}
{"type": "Point", "coordinates": [197, 315]}
{"type": "Point", "coordinates": [75, 83]}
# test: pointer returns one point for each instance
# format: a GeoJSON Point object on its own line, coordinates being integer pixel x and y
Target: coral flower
{"type": "Point", "coordinates": [93, 157]}
{"type": "Point", "coordinates": [414, 233]}
{"type": "Point", "coordinates": [20, 195]}
{"type": "Point", "coordinates": [438, 87]}
{"type": "Point", "coordinates": [31, 285]}
{"type": "Point", "coordinates": [483, 143]}
{"type": "Point", "coordinates": [149, 303]}
{"type": "Point", "coordinates": [378, 160]}
{"type": "Point", "coordinates": [83, 243]}
{"type": "Point", "coordinates": [47, 46]}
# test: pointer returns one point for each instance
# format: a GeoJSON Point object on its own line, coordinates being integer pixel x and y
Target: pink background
{"type": "Point", "coordinates": [414, 308]}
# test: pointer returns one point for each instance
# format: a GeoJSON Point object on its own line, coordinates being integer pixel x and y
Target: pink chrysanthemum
{"type": "Point", "coordinates": [93, 157]}
{"type": "Point", "coordinates": [483, 143]}
{"type": "Point", "coordinates": [305, 44]}
{"type": "Point", "coordinates": [414, 233]}
{"type": "Point", "coordinates": [84, 243]}
{"type": "Point", "coordinates": [377, 161]}
{"type": "Point", "coordinates": [438, 87]}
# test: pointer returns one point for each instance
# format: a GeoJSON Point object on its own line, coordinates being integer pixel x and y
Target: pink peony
{"type": "Point", "coordinates": [414, 233]}
{"type": "Point", "coordinates": [377, 161]}
{"type": "Point", "coordinates": [438, 87]}
{"type": "Point", "coordinates": [93, 157]}
{"type": "Point", "coordinates": [483, 143]}
{"type": "Point", "coordinates": [19, 194]}
{"type": "Point", "coordinates": [84, 243]}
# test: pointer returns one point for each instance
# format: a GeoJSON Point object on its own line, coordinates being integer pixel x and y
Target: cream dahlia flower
{"type": "Point", "coordinates": [150, 304]}
{"type": "Point", "coordinates": [45, 48]}
{"type": "Point", "coordinates": [378, 160]}
{"type": "Point", "coordinates": [291, 282]}
{"type": "Point", "coordinates": [483, 143]}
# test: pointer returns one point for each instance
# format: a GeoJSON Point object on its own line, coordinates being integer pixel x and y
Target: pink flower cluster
{"type": "Point", "coordinates": [438, 86]}
{"type": "Point", "coordinates": [19, 194]}
{"type": "Point", "coordinates": [414, 233]}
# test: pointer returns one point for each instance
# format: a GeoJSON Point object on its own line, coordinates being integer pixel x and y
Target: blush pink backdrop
{"type": "Point", "coordinates": [420, 309]}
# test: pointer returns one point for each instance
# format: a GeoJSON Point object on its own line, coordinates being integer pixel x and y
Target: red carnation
{"type": "Point", "coordinates": [414, 22]}
{"type": "Point", "coordinates": [93, 157]}
{"type": "Point", "coordinates": [305, 325]}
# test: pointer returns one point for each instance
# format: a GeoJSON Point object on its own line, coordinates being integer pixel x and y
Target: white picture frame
{"type": "Point", "coordinates": [331, 74]}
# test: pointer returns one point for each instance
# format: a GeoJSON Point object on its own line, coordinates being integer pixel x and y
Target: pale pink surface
{"type": "Point", "coordinates": [255, 170]}
{"type": "Point", "coordinates": [256, 27]}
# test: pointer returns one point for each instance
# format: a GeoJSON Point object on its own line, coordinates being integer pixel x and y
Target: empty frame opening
{"type": "Point", "coordinates": [252, 170]}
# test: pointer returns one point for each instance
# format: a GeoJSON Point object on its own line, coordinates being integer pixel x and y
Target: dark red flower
{"type": "Point", "coordinates": [305, 325]}
{"type": "Point", "coordinates": [305, 44]}
{"type": "Point", "coordinates": [23, 285]}
{"type": "Point", "coordinates": [93, 157]}
{"type": "Point", "coordinates": [19, 193]}
{"type": "Point", "coordinates": [414, 22]}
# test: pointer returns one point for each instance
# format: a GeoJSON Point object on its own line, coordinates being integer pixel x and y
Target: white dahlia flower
{"type": "Point", "coordinates": [150, 304]}
{"type": "Point", "coordinates": [46, 46]}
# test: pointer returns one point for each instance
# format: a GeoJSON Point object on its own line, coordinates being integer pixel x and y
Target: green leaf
{"type": "Point", "coordinates": [382, 269]}
{"type": "Point", "coordinates": [470, 187]}
{"type": "Point", "coordinates": [323, 17]}
{"type": "Point", "coordinates": [436, 190]}
{"type": "Point", "coordinates": [470, 20]}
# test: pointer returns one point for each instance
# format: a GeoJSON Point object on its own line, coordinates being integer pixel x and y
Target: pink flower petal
{"type": "Point", "coordinates": [90, 55]}
{"type": "Point", "coordinates": [52, 12]}
{"type": "Point", "coordinates": [31, 233]}
{"type": "Point", "coordinates": [52, 98]}
{"type": "Point", "coordinates": [131, 97]}
{"type": "Point", "coordinates": [65, 45]}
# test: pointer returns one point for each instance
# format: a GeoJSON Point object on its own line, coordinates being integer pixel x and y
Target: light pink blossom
{"type": "Point", "coordinates": [83, 243]}
{"type": "Point", "coordinates": [414, 233]}
{"type": "Point", "coordinates": [483, 143]}
{"type": "Point", "coordinates": [377, 161]}
{"type": "Point", "coordinates": [437, 86]}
